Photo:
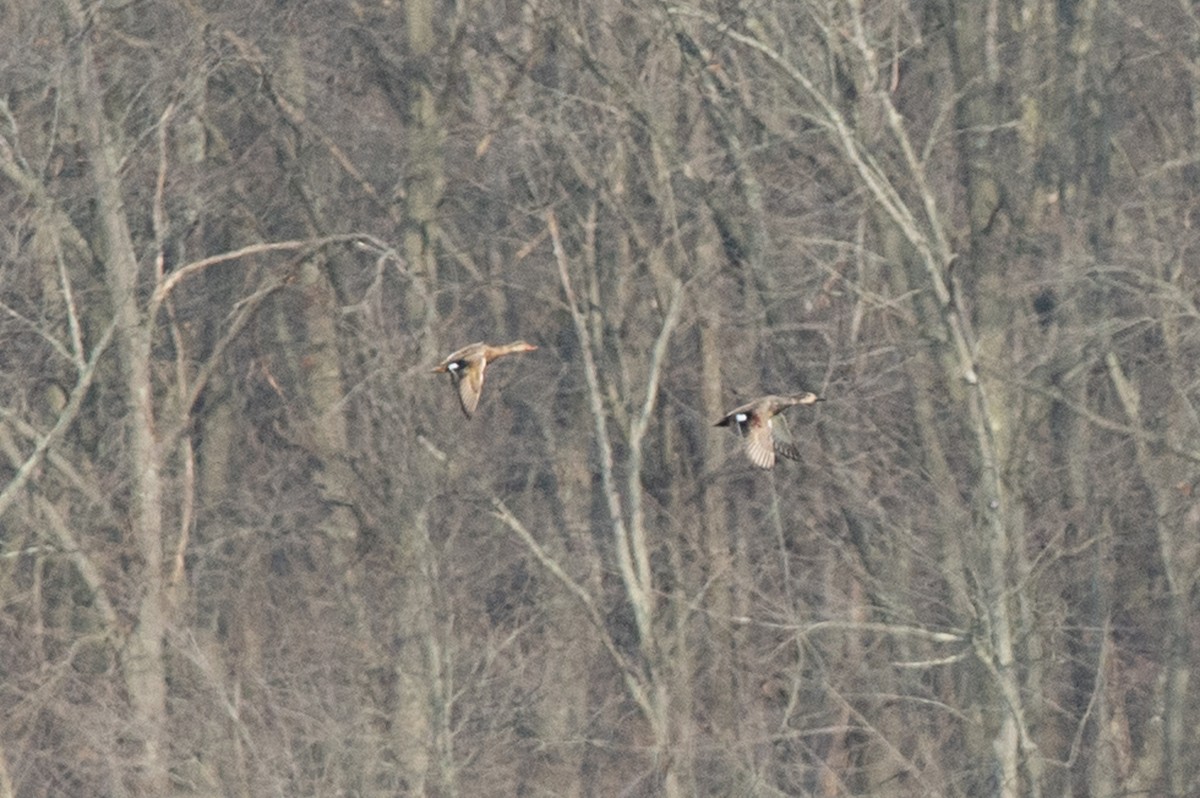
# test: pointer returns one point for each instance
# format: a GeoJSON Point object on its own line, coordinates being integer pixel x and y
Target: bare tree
{"type": "Point", "coordinates": [248, 544]}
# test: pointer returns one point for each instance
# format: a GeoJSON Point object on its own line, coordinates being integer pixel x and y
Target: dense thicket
{"type": "Point", "coordinates": [250, 547]}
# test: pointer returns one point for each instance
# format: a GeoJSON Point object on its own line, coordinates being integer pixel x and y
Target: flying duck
{"type": "Point", "coordinates": [753, 421]}
{"type": "Point", "coordinates": [466, 366]}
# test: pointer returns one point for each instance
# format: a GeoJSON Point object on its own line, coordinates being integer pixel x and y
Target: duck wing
{"type": "Point", "coordinates": [747, 422]}
{"type": "Point", "coordinates": [760, 444]}
{"type": "Point", "coordinates": [781, 438]}
{"type": "Point", "coordinates": [469, 381]}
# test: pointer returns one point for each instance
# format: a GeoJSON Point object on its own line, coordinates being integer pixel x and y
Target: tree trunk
{"type": "Point", "coordinates": [143, 665]}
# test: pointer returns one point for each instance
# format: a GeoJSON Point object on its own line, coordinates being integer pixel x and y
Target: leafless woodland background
{"type": "Point", "coordinates": [251, 548]}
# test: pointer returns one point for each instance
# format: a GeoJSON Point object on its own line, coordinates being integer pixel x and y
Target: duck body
{"type": "Point", "coordinates": [467, 365]}
{"type": "Point", "coordinates": [753, 421]}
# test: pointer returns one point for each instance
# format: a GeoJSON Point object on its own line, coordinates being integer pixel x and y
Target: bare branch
{"type": "Point", "coordinates": [640, 594]}
{"type": "Point", "coordinates": [628, 671]}
{"type": "Point", "coordinates": [189, 392]}
{"type": "Point", "coordinates": [88, 488]}
{"type": "Point", "coordinates": [1095, 419]}
{"type": "Point", "coordinates": [12, 166]}
{"type": "Point", "coordinates": [295, 116]}
{"type": "Point", "coordinates": [900, 630]}
{"type": "Point", "coordinates": [168, 284]}
{"type": "Point", "coordinates": [73, 324]}
{"type": "Point", "coordinates": [65, 419]}
{"type": "Point", "coordinates": [83, 564]}
{"type": "Point", "coordinates": [158, 215]}
{"type": "Point", "coordinates": [637, 432]}
{"type": "Point", "coordinates": [55, 344]}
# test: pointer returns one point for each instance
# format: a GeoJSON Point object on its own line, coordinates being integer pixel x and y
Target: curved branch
{"type": "Point", "coordinates": [169, 283]}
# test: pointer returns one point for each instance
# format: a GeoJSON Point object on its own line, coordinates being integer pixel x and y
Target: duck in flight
{"type": "Point", "coordinates": [753, 421]}
{"type": "Point", "coordinates": [466, 366]}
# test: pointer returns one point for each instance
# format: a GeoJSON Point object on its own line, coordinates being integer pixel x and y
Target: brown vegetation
{"type": "Point", "coordinates": [245, 550]}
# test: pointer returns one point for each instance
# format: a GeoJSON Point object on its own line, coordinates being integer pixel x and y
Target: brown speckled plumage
{"type": "Point", "coordinates": [466, 367]}
{"type": "Point", "coordinates": [753, 421]}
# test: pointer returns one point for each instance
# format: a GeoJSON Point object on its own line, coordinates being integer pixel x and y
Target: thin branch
{"type": "Point", "coordinates": [56, 344]}
{"type": "Point", "coordinates": [158, 214]}
{"type": "Point", "coordinates": [90, 490]}
{"type": "Point", "coordinates": [72, 311]}
{"type": "Point", "coordinates": [83, 564]}
{"type": "Point", "coordinates": [168, 284]}
{"type": "Point", "coordinates": [257, 61]}
{"type": "Point", "coordinates": [1099, 684]}
{"type": "Point", "coordinates": [804, 630]}
{"type": "Point", "coordinates": [12, 167]}
{"type": "Point", "coordinates": [640, 594]}
{"type": "Point", "coordinates": [637, 432]}
{"type": "Point", "coordinates": [1094, 418]}
{"type": "Point", "coordinates": [630, 673]}
{"type": "Point", "coordinates": [911, 768]}
{"type": "Point", "coordinates": [843, 134]}
{"type": "Point", "coordinates": [925, 664]}
{"type": "Point", "coordinates": [658, 354]}
{"type": "Point", "coordinates": [65, 419]}
{"type": "Point", "coordinates": [242, 312]}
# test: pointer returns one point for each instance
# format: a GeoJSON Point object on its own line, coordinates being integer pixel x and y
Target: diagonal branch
{"type": "Point", "coordinates": [630, 673]}
{"type": "Point", "coordinates": [1097, 420]}
{"type": "Point", "coordinates": [65, 419]}
{"type": "Point", "coordinates": [84, 565]}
